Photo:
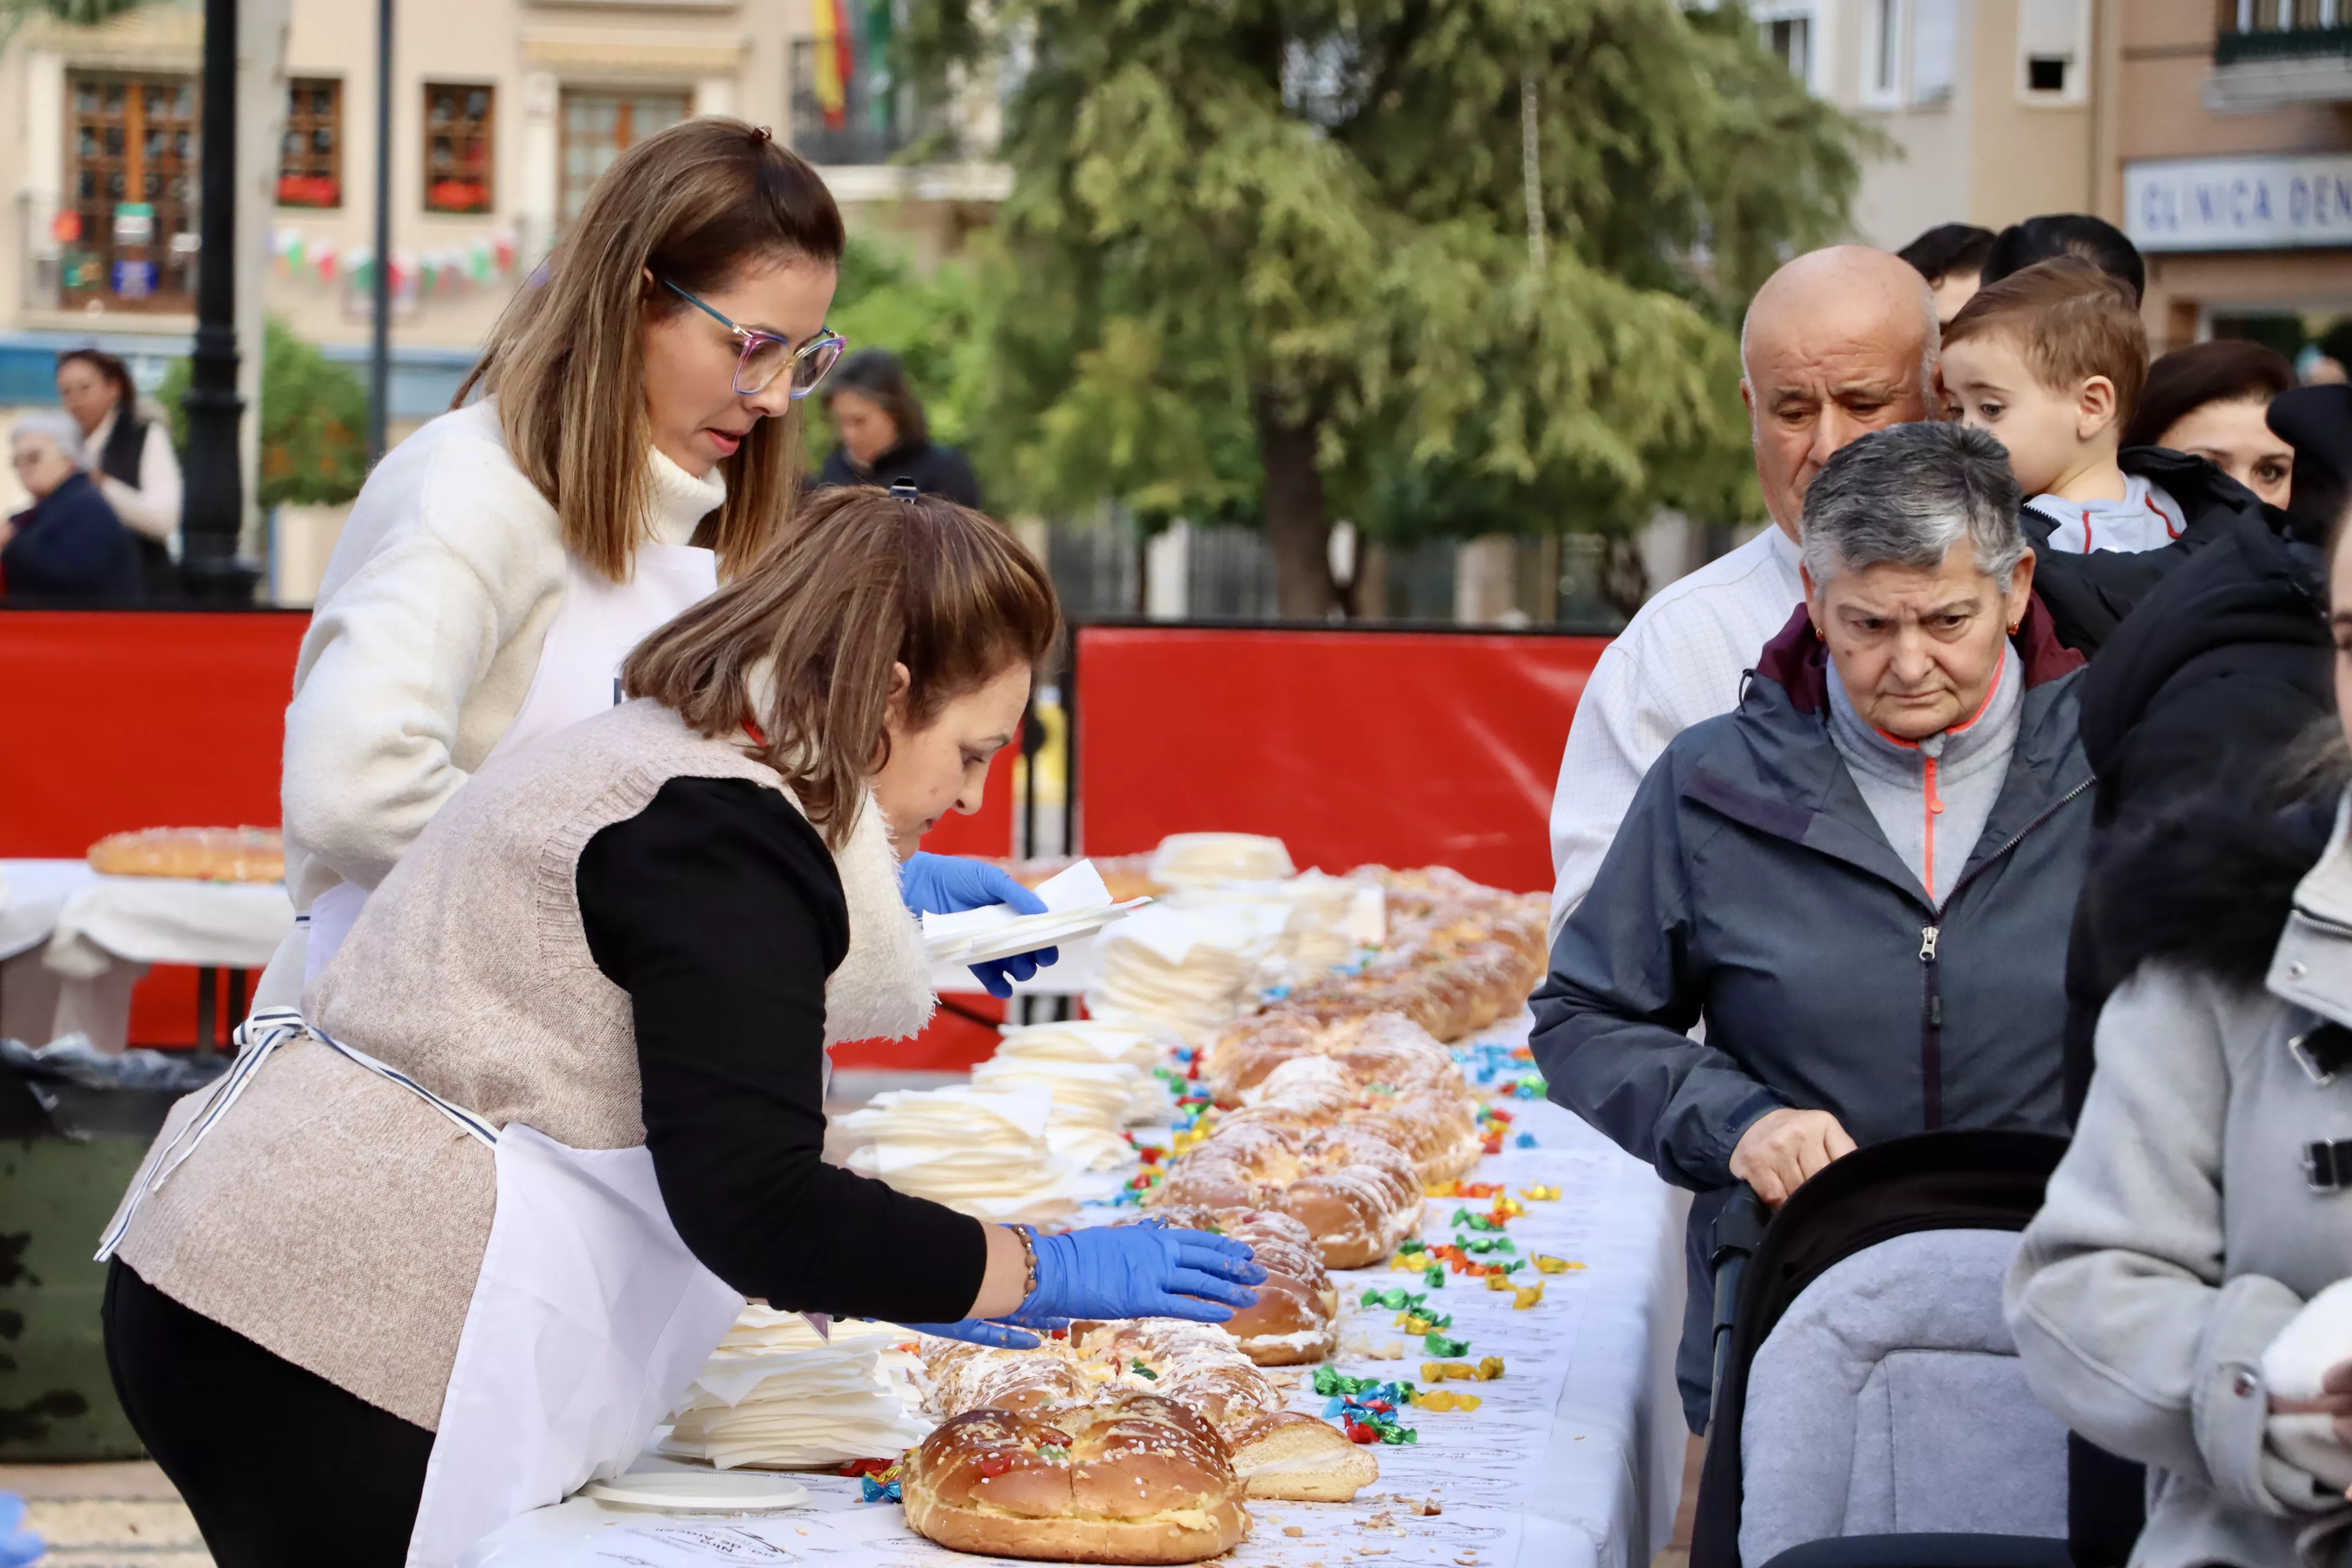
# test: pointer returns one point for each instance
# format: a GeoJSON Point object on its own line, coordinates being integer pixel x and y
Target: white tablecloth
{"type": "Point", "coordinates": [1573, 1461]}
{"type": "Point", "coordinates": [32, 894]}
{"type": "Point", "coordinates": [162, 919]}
{"type": "Point", "coordinates": [96, 935]}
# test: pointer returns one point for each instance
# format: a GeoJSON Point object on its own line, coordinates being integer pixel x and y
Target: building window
{"type": "Point", "coordinates": [310, 159]}
{"type": "Point", "coordinates": [598, 127]}
{"type": "Point", "coordinates": [460, 151]}
{"type": "Point", "coordinates": [1791, 38]}
{"type": "Point", "coordinates": [2054, 47]}
{"type": "Point", "coordinates": [1882, 53]}
{"type": "Point", "coordinates": [128, 229]}
{"type": "Point", "coordinates": [1935, 51]}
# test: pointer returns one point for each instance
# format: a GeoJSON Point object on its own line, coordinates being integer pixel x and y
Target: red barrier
{"type": "Point", "coordinates": [1406, 748]}
{"type": "Point", "coordinates": [146, 719]}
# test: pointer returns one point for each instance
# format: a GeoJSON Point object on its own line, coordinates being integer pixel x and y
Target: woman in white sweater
{"type": "Point", "coordinates": [636, 439]}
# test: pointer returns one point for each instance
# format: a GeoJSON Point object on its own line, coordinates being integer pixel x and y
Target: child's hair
{"type": "Point", "coordinates": [2070, 321]}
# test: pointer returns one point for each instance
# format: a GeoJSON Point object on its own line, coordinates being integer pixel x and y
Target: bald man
{"type": "Point", "coordinates": [1837, 343]}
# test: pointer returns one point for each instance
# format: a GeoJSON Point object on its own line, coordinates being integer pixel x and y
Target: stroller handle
{"type": "Point", "coordinates": [1736, 1232]}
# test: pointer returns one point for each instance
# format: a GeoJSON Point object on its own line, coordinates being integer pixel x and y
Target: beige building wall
{"type": "Point", "coordinates": [2165, 62]}
{"type": "Point", "coordinates": [1969, 141]}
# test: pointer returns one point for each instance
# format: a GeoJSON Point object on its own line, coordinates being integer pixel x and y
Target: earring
{"type": "Point", "coordinates": [2013, 625]}
{"type": "Point", "coordinates": [1817, 632]}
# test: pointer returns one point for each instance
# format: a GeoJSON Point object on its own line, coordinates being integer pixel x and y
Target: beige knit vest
{"type": "Point", "coordinates": [339, 1221]}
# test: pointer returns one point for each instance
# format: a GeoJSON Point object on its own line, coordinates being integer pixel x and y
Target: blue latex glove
{"type": "Point", "coordinates": [18, 1546]}
{"type": "Point", "coordinates": [1146, 1271]}
{"type": "Point", "coordinates": [949, 884]}
{"type": "Point", "coordinates": [979, 1331]}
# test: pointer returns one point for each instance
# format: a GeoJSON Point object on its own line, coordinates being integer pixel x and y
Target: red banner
{"type": "Point", "coordinates": [165, 719]}
{"type": "Point", "coordinates": [1403, 748]}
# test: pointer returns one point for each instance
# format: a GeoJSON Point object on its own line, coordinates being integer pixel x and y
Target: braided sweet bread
{"type": "Point", "coordinates": [196, 854]}
{"type": "Point", "coordinates": [1130, 1478]}
{"type": "Point", "coordinates": [1278, 1453]}
{"type": "Point", "coordinates": [1296, 1320]}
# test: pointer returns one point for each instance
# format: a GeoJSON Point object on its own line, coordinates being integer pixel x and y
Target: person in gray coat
{"type": "Point", "coordinates": [2180, 1299]}
{"type": "Point", "coordinates": [1861, 881]}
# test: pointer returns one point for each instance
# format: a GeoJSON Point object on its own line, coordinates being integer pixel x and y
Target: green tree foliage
{"type": "Point", "coordinates": [1271, 257]}
{"type": "Point", "coordinates": [313, 421]}
{"type": "Point", "coordinates": [930, 320]}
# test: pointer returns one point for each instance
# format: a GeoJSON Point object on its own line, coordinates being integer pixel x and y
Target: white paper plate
{"type": "Point", "coordinates": [1027, 933]}
{"type": "Point", "coordinates": [698, 1491]}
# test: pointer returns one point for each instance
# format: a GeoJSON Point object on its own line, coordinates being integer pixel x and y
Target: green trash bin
{"type": "Point", "coordinates": [65, 1156]}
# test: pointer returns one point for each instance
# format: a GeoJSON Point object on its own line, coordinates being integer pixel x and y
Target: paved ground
{"type": "Point", "coordinates": [107, 1516]}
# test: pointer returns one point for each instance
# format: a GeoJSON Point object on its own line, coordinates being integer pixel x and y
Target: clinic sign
{"type": "Point", "coordinates": [2238, 204]}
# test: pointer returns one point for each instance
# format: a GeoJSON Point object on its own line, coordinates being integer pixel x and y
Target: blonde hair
{"type": "Point", "coordinates": [696, 205]}
{"type": "Point", "coordinates": [862, 581]}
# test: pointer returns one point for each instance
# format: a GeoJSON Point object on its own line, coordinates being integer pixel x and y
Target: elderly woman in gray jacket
{"type": "Point", "coordinates": [2180, 1298]}
{"type": "Point", "coordinates": [1861, 881]}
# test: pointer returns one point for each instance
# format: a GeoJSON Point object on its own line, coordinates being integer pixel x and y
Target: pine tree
{"type": "Point", "coordinates": [1274, 258]}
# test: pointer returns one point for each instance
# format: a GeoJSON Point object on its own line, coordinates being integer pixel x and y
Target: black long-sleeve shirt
{"type": "Point", "coordinates": [720, 911]}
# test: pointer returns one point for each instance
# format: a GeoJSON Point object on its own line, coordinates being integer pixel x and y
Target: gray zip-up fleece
{"type": "Point", "coordinates": [2181, 1234]}
{"type": "Point", "coordinates": [1933, 797]}
{"type": "Point", "coordinates": [1750, 886]}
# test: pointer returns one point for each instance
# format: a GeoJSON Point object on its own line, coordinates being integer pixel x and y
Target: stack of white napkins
{"type": "Point", "coordinates": [1189, 859]}
{"type": "Point", "coordinates": [1090, 1043]}
{"type": "Point", "coordinates": [1091, 1104]}
{"type": "Point", "coordinates": [1327, 920]}
{"type": "Point", "coordinates": [1078, 902]}
{"type": "Point", "coordinates": [986, 1152]}
{"type": "Point", "coordinates": [1191, 971]}
{"type": "Point", "coordinates": [777, 1395]}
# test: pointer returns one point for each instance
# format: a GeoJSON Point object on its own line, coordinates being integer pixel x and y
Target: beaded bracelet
{"type": "Point", "coordinates": [1029, 1259]}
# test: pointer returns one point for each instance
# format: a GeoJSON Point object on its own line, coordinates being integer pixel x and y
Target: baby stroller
{"type": "Point", "coordinates": [1869, 1411]}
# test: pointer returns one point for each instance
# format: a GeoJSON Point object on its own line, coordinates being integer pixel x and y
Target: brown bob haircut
{"type": "Point", "coordinates": [2070, 322]}
{"type": "Point", "coordinates": [699, 205]}
{"type": "Point", "coordinates": [862, 581]}
{"type": "Point", "coordinates": [2226, 370]}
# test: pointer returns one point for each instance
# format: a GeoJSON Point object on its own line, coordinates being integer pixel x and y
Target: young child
{"type": "Point", "coordinates": [2050, 361]}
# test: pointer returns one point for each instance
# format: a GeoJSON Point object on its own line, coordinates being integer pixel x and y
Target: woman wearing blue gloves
{"type": "Point", "coordinates": [450, 1240]}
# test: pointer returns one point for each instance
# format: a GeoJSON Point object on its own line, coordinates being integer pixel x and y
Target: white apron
{"type": "Point", "coordinates": [589, 1319]}
{"type": "Point", "coordinates": [595, 630]}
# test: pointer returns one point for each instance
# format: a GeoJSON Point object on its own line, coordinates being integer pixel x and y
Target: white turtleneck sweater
{"type": "Point", "coordinates": [425, 639]}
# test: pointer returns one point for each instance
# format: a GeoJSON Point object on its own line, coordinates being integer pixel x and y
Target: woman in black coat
{"type": "Point", "coordinates": [67, 546]}
{"type": "Point", "coordinates": [883, 438]}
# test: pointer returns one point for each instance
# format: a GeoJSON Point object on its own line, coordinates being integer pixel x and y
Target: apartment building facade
{"type": "Point", "coordinates": [503, 113]}
{"type": "Point", "coordinates": [2233, 167]}
{"type": "Point", "coordinates": [2217, 133]}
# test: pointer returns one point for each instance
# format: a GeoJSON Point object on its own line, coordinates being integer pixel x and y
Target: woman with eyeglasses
{"type": "Point", "coordinates": [632, 438]}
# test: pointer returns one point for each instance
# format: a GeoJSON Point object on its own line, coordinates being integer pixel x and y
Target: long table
{"type": "Point", "coordinates": [1573, 1460]}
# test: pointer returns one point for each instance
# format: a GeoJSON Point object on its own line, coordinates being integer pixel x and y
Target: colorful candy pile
{"type": "Point", "coordinates": [1365, 1408]}
{"type": "Point", "coordinates": [878, 1479]}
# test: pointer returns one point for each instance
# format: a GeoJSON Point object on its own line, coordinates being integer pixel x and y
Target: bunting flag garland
{"type": "Point", "coordinates": [447, 272]}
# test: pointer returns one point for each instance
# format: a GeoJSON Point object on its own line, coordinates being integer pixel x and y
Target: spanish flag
{"type": "Point", "coordinates": [836, 59]}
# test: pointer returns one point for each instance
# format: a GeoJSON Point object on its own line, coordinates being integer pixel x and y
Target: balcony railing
{"type": "Point", "coordinates": [2267, 44]}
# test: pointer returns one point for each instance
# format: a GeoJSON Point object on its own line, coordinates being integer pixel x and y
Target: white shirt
{"type": "Point", "coordinates": [2145, 519]}
{"type": "Point", "coordinates": [153, 507]}
{"type": "Point", "coordinates": [1680, 662]}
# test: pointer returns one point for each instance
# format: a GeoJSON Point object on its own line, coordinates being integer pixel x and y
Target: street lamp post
{"type": "Point", "coordinates": [214, 513]}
